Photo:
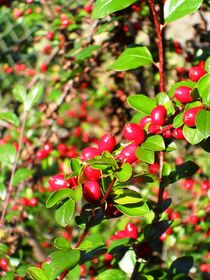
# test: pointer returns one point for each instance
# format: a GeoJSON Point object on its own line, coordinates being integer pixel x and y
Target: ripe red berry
{"type": "Point", "coordinates": [196, 72]}
{"type": "Point", "coordinates": [183, 94]}
{"type": "Point", "coordinates": [167, 134]}
{"type": "Point", "coordinates": [158, 115]}
{"type": "Point", "coordinates": [47, 147]}
{"type": "Point", "coordinates": [92, 173]}
{"type": "Point", "coordinates": [144, 121]}
{"type": "Point", "coordinates": [41, 154]}
{"type": "Point", "coordinates": [154, 168]}
{"type": "Point", "coordinates": [193, 219]}
{"type": "Point", "coordinates": [73, 181]}
{"type": "Point", "coordinates": [89, 152]}
{"type": "Point", "coordinates": [133, 132]}
{"type": "Point", "coordinates": [88, 8]}
{"type": "Point", "coordinates": [174, 216]}
{"type": "Point", "coordinates": [128, 154]}
{"type": "Point", "coordinates": [62, 148]}
{"type": "Point", "coordinates": [92, 191]}
{"type": "Point", "coordinates": [107, 143]}
{"type": "Point", "coordinates": [4, 264]}
{"type": "Point", "coordinates": [154, 128]}
{"type": "Point", "coordinates": [189, 184]}
{"type": "Point", "coordinates": [58, 182]}
{"type": "Point", "coordinates": [131, 230]}
{"type": "Point", "coordinates": [178, 133]}
{"type": "Point", "coordinates": [189, 116]}
{"type": "Point", "coordinates": [33, 202]}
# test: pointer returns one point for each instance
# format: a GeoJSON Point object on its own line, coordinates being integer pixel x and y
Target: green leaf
{"type": "Point", "coordinates": [3, 191]}
{"type": "Point", "coordinates": [203, 123]}
{"type": "Point", "coordinates": [163, 99]}
{"type": "Point", "coordinates": [131, 58]}
{"type": "Point", "coordinates": [189, 84]}
{"type": "Point", "coordinates": [103, 8]}
{"type": "Point", "coordinates": [124, 173]}
{"type": "Point", "coordinates": [60, 261]}
{"type": "Point", "coordinates": [207, 65]}
{"type": "Point", "coordinates": [103, 161]}
{"type": "Point", "coordinates": [204, 89]}
{"type": "Point", "coordinates": [75, 165]}
{"type": "Point", "coordinates": [86, 53]}
{"type": "Point", "coordinates": [10, 117]}
{"type": "Point", "coordinates": [61, 243]}
{"type": "Point", "coordinates": [192, 135]}
{"type": "Point", "coordinates": [9, 276]}
{"type": "Point", "coordinates": [181, 265]}
{"type": "Point", "coordinates": [33, 96]}
{"type": "Point", "coordinates": [154, 143]}
{"type": "Point", "coordinates": [145, 155]}
{"type": "Point", "coordinates": [21, 175]}
{"type": "Point", "coordinates": [19, 93]}
{"type": "Point", "coordinates": [178, 120]}
{"type": "Point", "coordinates": [112, 274]}
{"type": "Point", "coordinates": [37, 273]}
{"type": "Point", "coordinates": [133, 210]}
{"type": "Point", "coordinates": [7, 154]}
{"type": "Point", "coordinates": [176, 9]}
{"type": "Point", "coordinates": [64, 213]}
{"type": "Point", "coordinates": [141, 103]}
{"type": "Point", "coordinates": [57, 196]}
{"type": "Point", "coordinates": [125, 196]}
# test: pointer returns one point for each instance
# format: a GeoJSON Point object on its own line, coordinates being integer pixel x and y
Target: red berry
{"type": "Point", "coordinates": [165, 234]}
{"type": "Point", "coordinates": [154, 168]}
{"type": "Point", "coordinates": [107, 143]}
{"type": "Point", "coordinates": [158, 115]}
{"type": "Point", "coordinates": [144, 121]}
{"type": "Point", "coordinates": [183, 94]}
{"type": "Point", "coordinates": [175, 216]}
{"type": "Point", "coordinates": [88, 8]}
{"type": "Point", "coordinates": [193, 219]}
{"type": "Point", "coordinates": [196, 72]}
{"type": "Point", "coordinates": [133, 132]}
{"type": "Point", "coordinates": [4, 264]}
{"type": "Point", "coordinates": [128, 154]}
{"type": "Point", "coordinates": [41, 154]}
{"type": "Point", "coordinates": [178, 133]}
{"type": "Point", "coordinates": [189, 184]}
{"type": "Point", "coordinates": [189, 116]}
{"type": "Point", "coordinates": [92, 191]}
{"type": "Point", "coordinates": [47, 148]}
{"type": "Point", "coordinates": [23, 201]}
{"type": "Point", "coordinates": [92, 173]}
{"type": "Point", "coordinates": [33, 202]}
{"type": "Point", "coordinates": [58, 182]}
{"type": "Point", "coordinates": [205, 186]}
{"type": "Point", "coordinates": [167, 134]}
{"type": "Point", "coordinates": [154, 128]}
{"type": "Point", "coordinates": [131, 230]}
{"type": "Point", "coordinates": [62, 148]}
{"type": "Point", "coordinates": [73, 181]}
{"type": "Point", "coordinates": [89, 152]}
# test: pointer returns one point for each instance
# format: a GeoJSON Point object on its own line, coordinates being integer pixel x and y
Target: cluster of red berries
{"type": "Point", "coordinates": [32, 202]}
{"type": "Point", "coordinates": [130, 231]}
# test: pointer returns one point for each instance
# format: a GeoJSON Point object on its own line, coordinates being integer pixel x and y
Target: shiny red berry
{"type": "Point", "coordinates": [189, 116]}
{"type": "Point", "coordinates": [128, 153]}
{"type": "Point", "coordinates": [58, 182]}
{"type": "Point", "coordinates": [92, 173]}
{"type": "Point", "coordinates": [158, 115]}
{"type": "Point", "coordinates": [33, 202]}
{"type": "Point", "coordinates": [144, 121]}
{"type": "Point", "coordinates": [107, 143]}
{"type": "Point", "coordinates": [4, 264]}
{"type": "Point", "coordinates": [182, 94]}
{"type": "Point", "coordinates": [131, 231]}
{"type": "Point", "coordinates": [133, 132]}
{"type": "Point", "coordinates": [47, 148]}
{"type": "Point", "coordinates": [178, 133]}
{"type": "Point", "coordinates": [154, 128]}
{"type": "Point", "coordinates": [92, 191]}
{"type": "Point", "coordinates": [41, 154]}
{"type": "Point", "coordinates": [89, 152]}
{"type": "Point", "coordinates": [196, 72]}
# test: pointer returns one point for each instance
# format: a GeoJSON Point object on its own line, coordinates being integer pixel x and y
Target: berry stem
{"type": "Point", "coordinates": [10, 187]}
{"type": "Point", "coordinates": [107, 192]}
{"type": "Point", "coordinates": [159, 45]}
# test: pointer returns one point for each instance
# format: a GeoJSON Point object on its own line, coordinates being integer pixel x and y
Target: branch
{"type": "Point", "coordinates": [159, 44]}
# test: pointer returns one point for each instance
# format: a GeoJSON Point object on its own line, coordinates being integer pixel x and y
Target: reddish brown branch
{"type": "Point", "coordinates": [107, 192]}
{"type": "Point", "coordinates": [159, 44]}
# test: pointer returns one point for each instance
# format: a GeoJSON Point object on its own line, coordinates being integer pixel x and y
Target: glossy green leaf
{"type": "Point", "coordinates": [163, 99]}
{"type": "Point", "coordinates": [61, 243]}
{"type": "Point", "coordinates": [154, 143]}
{"type": "Point", "coordinates": [181, 265]}
{"type": "Point", "coordinates": [3, 191]}
{"type": "Point", "coordinates": [189, 84]}
{"type": "Point", "coordinates": [203, 123]}
{"type": "Point", "coordinates": [59, 195]}
{"type": "Point", "coordinates": [141, 103]}
{"type": "Point", "coordinates": [21, 175]}
{"type": "Point", "coordinates": [176, 9]}
{"type": "Point", "coordinates": [192, 135]}
{"type": "Point", "coordinates": [7, 154]}
{"type": "Point", "coordinates": [207, 65]}
{"type": "Point", "coordinates": [64, 213]}
{"type": "Point", "coordinates": [75, 165]}
{"type": "Point", "coordinates": [204, 89]}
{"type": "Point", "coordinates": [33, 96]}
{"type": "Point", "coordinates": [60, 261]}
{"type": "Point", "coordinates": [86, 53]}
{"type": "Point", "coordinates": [125, 196]}
{"type": "Point", "coordinates": [124, 173]}
{"type": "Point", "coordinates": [145, 155]}
{"type": "Point", "coordinates": [134, 209]}
{"type": "Point", "coordinates": [37, 273]}
{"type": "Point", "coordinates": [178, 120]}
{"type": "Point", "coordinates": [112, 274]}
{"type": "Point", "coordinates": [131, 58]}
{"type": "Point", "coordinates": [19, 93]}
{"type": "Point", "coordinates": [10, 117]}
{"type": "Point", "coordinates": [103, 8]}
{"type": "Point", "coordinates": [103, 161]}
